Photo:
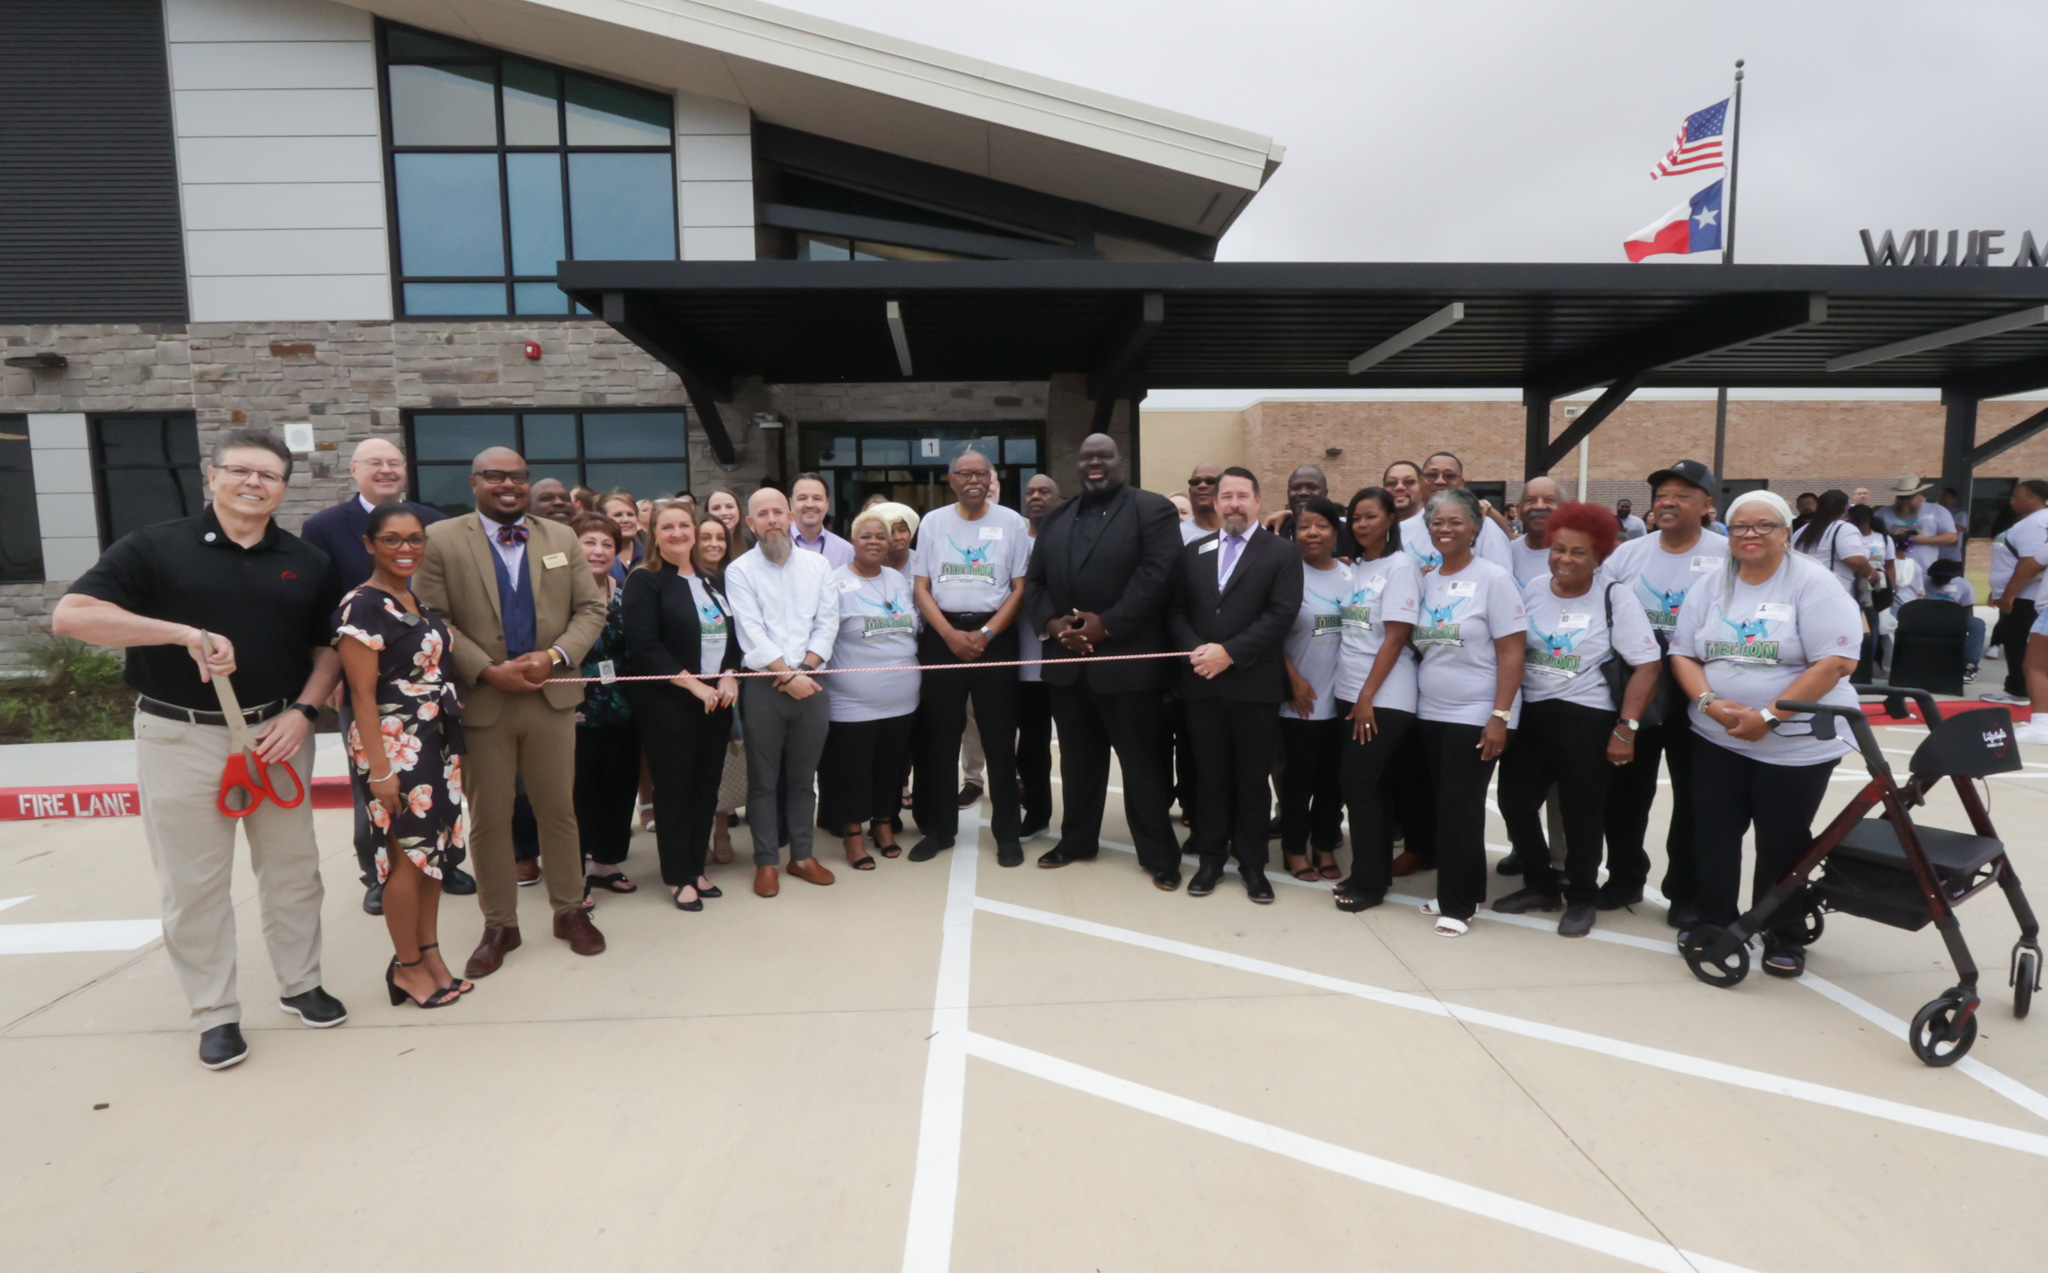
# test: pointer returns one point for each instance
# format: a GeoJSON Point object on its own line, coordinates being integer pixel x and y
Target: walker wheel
{"type": "Point", "coordinates": [1813, 923]}
{"type": "Point", "coordinates": [1942, 1033]}
{"type": "Point", "coordinates": [1697, 946]}
{"type": "Point", "coordinates": [2026, 975]}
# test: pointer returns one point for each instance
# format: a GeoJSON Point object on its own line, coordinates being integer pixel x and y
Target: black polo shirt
{"type": "Point", "coordinates": [274, 601]}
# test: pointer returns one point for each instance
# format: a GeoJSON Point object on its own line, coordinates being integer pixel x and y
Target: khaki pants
{"type": "Point", "coordinates": [537, 742]}
{"type": "Point", "coordinates": [178, 770]}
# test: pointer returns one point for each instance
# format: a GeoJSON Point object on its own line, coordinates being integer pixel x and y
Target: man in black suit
{"type": "Point", "coordinates": [1236, 594]}
{"type": "Point", "coordinates": [1101, 571]}
{"type": "Point", "coordinates": [378, 468]}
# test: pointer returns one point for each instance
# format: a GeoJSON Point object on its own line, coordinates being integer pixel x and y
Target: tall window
{"type": "Point", "coordinates": [21, 531]}
{"type": "Point", "coordinates": [501, 167]}
{"type": "Point", "coordinates": [145, 470]}
{"type": "Point", "coordinates": [645, 452]}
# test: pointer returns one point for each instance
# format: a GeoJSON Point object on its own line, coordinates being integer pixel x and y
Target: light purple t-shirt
{"type": "Point", "coordinates": [1383, 591]}
{"type": "Point", "coordinates": [1462, 616]}
{"type": "Point", "coordinates": [1569, 640]}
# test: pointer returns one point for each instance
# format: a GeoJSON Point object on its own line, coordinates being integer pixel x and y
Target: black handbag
{"type": "Point", "coordinates": [1617, 671]}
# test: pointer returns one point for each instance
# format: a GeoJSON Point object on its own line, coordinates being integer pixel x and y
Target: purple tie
{"type": "Point", "coordinates": [1231, 545]}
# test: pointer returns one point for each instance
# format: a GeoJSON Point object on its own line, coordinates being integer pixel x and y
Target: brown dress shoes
{"type": "Point", "coordinates": [489, 955]}
{"type": "Point", "coordinates": [574, 926]}
{"type": "Point", "coordinates": [811, 871]}
{"type": "Point", "coordinates": [767, 881]}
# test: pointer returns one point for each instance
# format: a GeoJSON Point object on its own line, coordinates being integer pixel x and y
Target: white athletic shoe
{"type": "Point", "coordinates": [2034, 731]}
{"type": "Point", "coordinates": [2000, 696]}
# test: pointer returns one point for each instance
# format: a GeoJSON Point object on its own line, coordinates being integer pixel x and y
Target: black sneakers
{"type": "Point", "coordinates": [222, 1046]}
{"type": "Point", "coordinates": [316, 1008]}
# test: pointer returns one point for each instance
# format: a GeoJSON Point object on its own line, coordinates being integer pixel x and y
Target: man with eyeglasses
{"type": "Point", "coordinates": [1202, 498]}
{"type": "Point", "coordinates": [521, 605]}
{"type": "Point", "coordinates": [225, 593]}
{"type": "Point", "coordinates": [378, 470]}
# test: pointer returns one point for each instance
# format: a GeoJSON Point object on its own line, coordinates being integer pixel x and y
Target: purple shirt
{"type": "Point", "coordinates": [837, 551]}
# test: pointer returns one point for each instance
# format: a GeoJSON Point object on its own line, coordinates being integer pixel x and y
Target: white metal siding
{"type": "Point", "coordinates": [715, 179]}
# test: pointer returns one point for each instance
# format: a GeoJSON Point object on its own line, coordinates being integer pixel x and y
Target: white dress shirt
{"type": "Point", "coordinates": [783, 611]}
{"type": "Point", "coordinates": [511, 554]}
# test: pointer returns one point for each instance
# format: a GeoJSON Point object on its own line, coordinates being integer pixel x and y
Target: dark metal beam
{"type": "Point", "coordinates": [1098, 421]}
{"type": "Point", "coordinates": [1107, 380]}
{"type": "Point", "coordinates": [1958, 439]}
{"type": "Point", "coordinates": [1535, 432]}
{"type": "Point", "coordinates": [2032, 316]}
{"type": "Point", "coordinates": [703, 378]}
{"type": "Point", "coordinates": [911, 234]}
{"type": "Point", "coordinates": [2010, 438]}
{"type": "Point", "coordinates": [2024, 376]}
{"type": "Point", "coordinates": [1543, 458]}
{"type": "Point", "coordinates": [1707, 328]}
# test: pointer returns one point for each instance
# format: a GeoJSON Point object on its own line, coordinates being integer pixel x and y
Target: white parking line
{"type": "Point", "coordinates": [1657, 1058]}
{"type": "Point", "coordinates": [1648, 1252]}
{"type": "Point", "coordinates": [935, 1189]}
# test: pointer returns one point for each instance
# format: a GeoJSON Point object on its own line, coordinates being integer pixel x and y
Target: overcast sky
{"type": "Point", "coordinates": [1512, 130]}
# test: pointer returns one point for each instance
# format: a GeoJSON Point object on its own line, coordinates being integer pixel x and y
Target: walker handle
{"type": "Point", "coordinates": [1824, 717]}
{"type": "Point", "coordinates": [1894, 701]}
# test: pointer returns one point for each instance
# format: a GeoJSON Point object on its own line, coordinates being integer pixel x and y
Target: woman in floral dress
{"type": "Point", "coordinates": [391, 650]}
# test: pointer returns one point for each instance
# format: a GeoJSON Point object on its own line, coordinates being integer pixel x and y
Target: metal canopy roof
{"type": "Point", "coordinates": [1198, 324]}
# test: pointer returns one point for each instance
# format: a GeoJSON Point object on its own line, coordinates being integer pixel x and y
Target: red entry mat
{"type": "Point", "coordinates": [1949, 707]}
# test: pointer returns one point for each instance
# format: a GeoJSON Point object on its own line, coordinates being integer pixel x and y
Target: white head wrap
{"type": "Point", "coordinates": [1774, 502]}
{"type": "Point", "coordinates": [890, 513]}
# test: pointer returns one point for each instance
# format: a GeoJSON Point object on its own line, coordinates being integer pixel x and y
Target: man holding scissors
{"type": "Point", "coordinates": [224, 594]}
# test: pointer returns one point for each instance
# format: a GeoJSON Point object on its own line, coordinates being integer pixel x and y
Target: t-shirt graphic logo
{"type": "Point", "coordinates": [1321, 624]}
{"type": "Point", "coordinates": [890, 617]}
{"type": "Point", "coordinates": [1660, 607]}
{"type": "Point", "coordinates": [1441, 631]}
{"type": "Point", "coordinates": [1750, 643]}
{"type": "Point", "coordinates": [1356, 611]}
{"type": "Point", "coordinates": [1553, 654]}
{"type": "Point", "coordinates": [973, 563]}
{"type": "Point", "coordinates": [710, 621]}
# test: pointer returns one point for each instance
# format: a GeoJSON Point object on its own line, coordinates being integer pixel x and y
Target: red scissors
{"type": "Point", "coordinates": [246, 782]}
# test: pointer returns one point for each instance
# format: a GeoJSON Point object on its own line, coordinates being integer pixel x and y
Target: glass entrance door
{"type": "Point", "coordinates": [908, 463]}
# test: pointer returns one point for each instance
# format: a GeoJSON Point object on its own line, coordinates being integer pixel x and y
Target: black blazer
{"type": "Point", "coordinates": [1127, 578]}
{"type": "Point", "coordinates": [338, 532]}
{"type": "Point", "coordinates": [662, 634]}
{"type": "Point", "coordinates": [1249, 618]}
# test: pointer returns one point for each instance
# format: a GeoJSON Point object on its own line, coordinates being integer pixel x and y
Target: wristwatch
{"type": "Point", "coordinates": [1504, 716]}
{"type": "Point", "coordinates": [1634, 726]}
{"type": "Point", "coordinates": [307, 710]}
{"type": "Point", "coordinates": [1771, 720]}
{"type": "Point", "coordinates": [987, 635]}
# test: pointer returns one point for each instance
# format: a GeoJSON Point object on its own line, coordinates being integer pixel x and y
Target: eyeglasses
{"type": "Point", "coordinates": [239, 473]}
{"type": "Point", "coordinates": [394, 466]}
{"type": "Point", "coordinates": [1753, 530]}
{"type": "Point", "coordinates": [403, 541]}
{"type": "Point", "coordinates": [1204, 481]}
{"type": "Point", "coordinates": [497, 477]}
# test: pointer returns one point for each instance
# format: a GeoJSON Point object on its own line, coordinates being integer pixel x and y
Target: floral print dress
{"type": "Point", "coordinates": [419, 721]}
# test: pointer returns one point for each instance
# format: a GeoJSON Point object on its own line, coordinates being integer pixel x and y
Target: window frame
{"type": "Point", "coordinates": [583, 459]}
{"type": "Point", "coordinates": [562, 149]}
{"type": "Point", "coordinates": [96, 453]}
{"type": "Point", "coordinates": [9, 423]}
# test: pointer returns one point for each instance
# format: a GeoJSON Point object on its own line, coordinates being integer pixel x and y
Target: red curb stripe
{"type": "Point", "coordinates": [120, 800]}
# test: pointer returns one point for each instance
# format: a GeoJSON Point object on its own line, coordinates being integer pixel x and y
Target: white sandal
{"type": "Point", "coordinates": [1445, 925]}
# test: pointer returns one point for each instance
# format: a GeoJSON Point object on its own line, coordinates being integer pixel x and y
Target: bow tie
{"type": "Point", "coordinates": [512, 536]}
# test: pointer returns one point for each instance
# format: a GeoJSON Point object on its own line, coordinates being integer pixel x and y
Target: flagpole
{"type": "Point", "coordinates": [1728, 258]}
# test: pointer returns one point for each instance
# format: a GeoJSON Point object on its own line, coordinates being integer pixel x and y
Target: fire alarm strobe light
{"type": "Point", "coordinates": [532, 348]}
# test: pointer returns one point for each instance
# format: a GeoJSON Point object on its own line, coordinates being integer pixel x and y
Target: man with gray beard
{"type": "Point", "coordinates": [787, 615]}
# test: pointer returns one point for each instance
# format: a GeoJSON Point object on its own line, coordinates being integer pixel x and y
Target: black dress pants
{"type": "Point", "coordinates": [1234, 745]}
{"type": "Point", "coordinates": [607, 787]}
{"type": "Point", "coordinates": [1630, 792]}
{"type": "Point", "coordinates": [1413, 794]}
{"type": "Point", "coordinates": [1781, 801]}
{"type": "Point", "coordinates": [942, 712]}
{"type": "Point", "coordinates": [860, 775]}
{"type": "Point", "coordinates": [1459, 777]}
{"type": "Point", "coordinates": [2010, 636]}
{"type": "Point", "coordinates": [1563, 745]}
{"type": "Point", "coordinates": [1311, 793]}
{"type": "Point", "coordinates": [1034, 750]}
{"type": "Point", "coordinates": [685, 748]}
{"type": "Point", "coordinates": [1365, 773]}
{"type": "Point", "coordinates": [1091, 725]}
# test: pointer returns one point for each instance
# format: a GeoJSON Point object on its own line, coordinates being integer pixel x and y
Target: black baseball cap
{"type": "Point", "coordinates": [1691, 472]}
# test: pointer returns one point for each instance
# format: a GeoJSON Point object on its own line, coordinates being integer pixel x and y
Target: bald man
{"type": "Point", "coordinates": [378, 470]}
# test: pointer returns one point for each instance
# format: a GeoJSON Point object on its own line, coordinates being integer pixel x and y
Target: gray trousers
{"type": "Point", "coordinates": [784, 738]}
{"type": "Point", "coordinates": [178, 770]}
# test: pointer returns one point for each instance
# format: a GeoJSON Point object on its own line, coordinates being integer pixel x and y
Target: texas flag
{"type": "Point", "coordinates": [1694, 226]}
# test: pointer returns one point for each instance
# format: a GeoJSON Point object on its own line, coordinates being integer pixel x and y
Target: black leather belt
{"type": "Point", "coordinates": [192, 716]}
{"type": "Point", "coordinates": [968, 620]}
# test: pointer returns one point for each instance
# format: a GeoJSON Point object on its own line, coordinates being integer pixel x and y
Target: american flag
{"type": "Point", "coordinates": [1699, 143]}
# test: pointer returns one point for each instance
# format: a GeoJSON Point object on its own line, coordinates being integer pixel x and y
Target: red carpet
{"type": "Point", "coordinates": [1949, 707]}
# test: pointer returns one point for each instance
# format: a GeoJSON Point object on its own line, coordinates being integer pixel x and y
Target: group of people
{"type": "Point", "coordinates": [538, 663]}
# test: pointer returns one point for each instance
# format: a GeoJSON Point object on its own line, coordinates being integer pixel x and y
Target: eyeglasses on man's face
{"type": "Point", "coordinates": [381, 466]}
{"type": "Point", "coordinates": [392, 539]}
{"type": "Point", "coordinates": [498, 477]}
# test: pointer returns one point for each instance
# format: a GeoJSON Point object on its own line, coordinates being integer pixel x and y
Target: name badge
{"type": "Point", "coordinates": [1774, 612]}
{"type": "Point", "coordinates": [1208, 547]}
{"type": "Point", "coordinates": [1573, 622]}
{"type": "Point", "coordinates": [991, 532]}
{"type": "Point", "coordinates": [1462, 588]}
{"type": "Point", "coordinates": [1705, 563]}
{"type": "Point", "coordinates": [849, 585]}
{"type": "Point", "coordinates": [553, 560]}
{"type": "Point", "coordinates": [607, 671]}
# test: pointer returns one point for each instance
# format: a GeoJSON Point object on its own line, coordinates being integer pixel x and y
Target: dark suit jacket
{"type": "Point", "coordinates": [662, 632]}
{"type": "Point", "coordinates": [1249, 617]}
{"type": "Point", "coordinates": [338, 532]}
{"type": "Point", "coordinates": [1126, 578]}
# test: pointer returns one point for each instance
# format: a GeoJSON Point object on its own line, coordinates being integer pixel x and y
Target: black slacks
{"type": "Point", "coordinates": [2010, 636]}
{"type": "Point", "coordinates": [942, 712]}
{"type": "Point", "coordinates": [1413, 794]}
{"type": "Point", "coordinates": [860, 775]}
{"type": "Point", "coordinates": [1780, 800]}
{"type": "Point", "coordinates": [685, 748]}
{"type": "Point", "coordinates": [1365, 773]}
{"type": "Point", "coordinates": [1311, 791]}
{"type": "Point", "coordinates": [1632, 789]}
{"type": "Point", "coordinates": [1233, 745]}
{"type": "Point", "coordinates": [1563, 745]}
{"type": "Point", "coordinates": [1091, 725]}
{"type": "Point", "coordinates": [1034, 750]}
{"type": "Point", "coordinates": [1459, 777]}
{"type": "Point", "coordinates": [607, 787]}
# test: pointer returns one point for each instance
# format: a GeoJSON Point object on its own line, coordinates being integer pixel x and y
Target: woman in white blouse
{"type": "Point", "coordinates": [861, 771]}
{"type": "Point", "coordinates": [1311, 727]}
{"type": "Point", "coordinates": [1376, 677]}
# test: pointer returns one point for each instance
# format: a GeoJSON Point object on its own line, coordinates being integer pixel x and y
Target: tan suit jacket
{"type": "Point", "coordinates": [458, 580]}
